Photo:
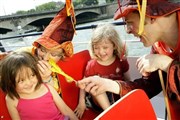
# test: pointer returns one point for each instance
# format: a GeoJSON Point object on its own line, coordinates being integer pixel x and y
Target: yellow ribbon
{"type": "Point", "coordinates": [56, 83]}
{"type": "Point", "coordinates": [55, 68]}
{"type": "Point", "coordinates": [142, 12]}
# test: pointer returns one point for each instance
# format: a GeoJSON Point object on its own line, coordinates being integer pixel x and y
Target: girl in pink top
{"type": "Point", "coordinates": [28, 98]}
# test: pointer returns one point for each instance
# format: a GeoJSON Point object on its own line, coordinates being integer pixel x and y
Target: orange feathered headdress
{"type": "Point", "coordinates": [60, 31]}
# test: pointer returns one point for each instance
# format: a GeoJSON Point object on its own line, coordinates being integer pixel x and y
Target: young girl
{"type": "Point", "coordinates": [28, 98]}
{"type": "Point", "coordinates": [109, 61]}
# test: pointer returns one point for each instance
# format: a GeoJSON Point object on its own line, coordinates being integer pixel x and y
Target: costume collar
{"type": "Point", "coordinates": [162, 48]}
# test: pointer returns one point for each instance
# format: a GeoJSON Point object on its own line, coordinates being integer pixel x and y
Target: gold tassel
{"type": "Point", "coordinates": [142, 12]}
{"type": "Point", "coordinates": [56, 83]}
{"type": "Point", "coordinates": [165, 94]}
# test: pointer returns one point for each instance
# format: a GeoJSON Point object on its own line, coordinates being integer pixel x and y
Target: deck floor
{"type": "Point", "coordinates": [159, 105]}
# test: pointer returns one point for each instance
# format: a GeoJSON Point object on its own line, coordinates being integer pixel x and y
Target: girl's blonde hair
{"type": "Point", "coordinates": [107, 31]}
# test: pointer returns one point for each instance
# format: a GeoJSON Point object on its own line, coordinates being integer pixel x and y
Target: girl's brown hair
{"type": "Point", "coordinates": [11, 65]}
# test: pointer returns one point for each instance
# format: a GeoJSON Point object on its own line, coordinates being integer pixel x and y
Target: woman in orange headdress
{"type": "Point", "coordinates": [55, 43]}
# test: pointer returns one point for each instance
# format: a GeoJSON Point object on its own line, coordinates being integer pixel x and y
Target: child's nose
{"type": "Point", "coordinates": [46, 57]}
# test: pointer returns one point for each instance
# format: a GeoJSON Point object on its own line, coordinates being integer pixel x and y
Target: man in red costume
{"type": "Point", "coordinates": [157, 24]}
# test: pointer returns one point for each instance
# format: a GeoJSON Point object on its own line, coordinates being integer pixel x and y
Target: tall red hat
{"type": "Point", "coordinates": [155, 8]}
{"type": "Point", "coordinates": [58, 34]}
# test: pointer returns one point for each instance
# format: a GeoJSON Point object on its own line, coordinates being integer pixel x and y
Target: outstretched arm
{"type": "Point", "coordinates": [64, 109]}
{"type": "Point", "coordinates": [97, 85]}
{"type": "Point", "coordinates": [81, 107]}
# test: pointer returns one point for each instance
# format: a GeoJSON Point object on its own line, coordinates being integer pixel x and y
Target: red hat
{"type": "Point", "coordinates": [58, 34]}
{"type": "Point", "coordinates": [155, 8]}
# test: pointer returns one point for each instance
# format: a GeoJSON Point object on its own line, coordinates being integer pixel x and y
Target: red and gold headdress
{"type": "Point", "coordinates": [60, 31]}
{"type": "Point", "coordinates": [150, 8]}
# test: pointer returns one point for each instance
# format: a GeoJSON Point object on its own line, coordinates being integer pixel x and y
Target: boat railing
{"type": "Point", "coordinates": [39, 33]}
{"type": "Point", "coordinates": [134, 47]}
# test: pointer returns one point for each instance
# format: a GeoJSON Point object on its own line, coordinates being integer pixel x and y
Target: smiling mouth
{"type": "Point", "coordinates": [29, 87]}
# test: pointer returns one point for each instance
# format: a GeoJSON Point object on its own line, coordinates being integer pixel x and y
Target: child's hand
{"type": "Point", "coordinates": [80, 110]}
{"type": "Point", "coordinates": [45, 69]}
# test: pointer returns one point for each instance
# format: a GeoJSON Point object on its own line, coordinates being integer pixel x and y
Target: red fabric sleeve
{"type": "Point", "coordinates": [173, 89]}
{"type": "Point", "coordinates": [174, 81]}
{"type": "Point", "coordinates": [150, 85]}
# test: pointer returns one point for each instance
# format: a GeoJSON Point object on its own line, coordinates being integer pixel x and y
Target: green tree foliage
{"type": "Point", "coordinates": [31, 11]}
{"type": "Point", "coordinates": [90, 2]}
{"type": "Point", "coordinates": [20, 12]}
{"type": "Point", "coordinates": [83, 3]}
{"type": "Point", "coordinates": [25, 12]}
{"type": "Point", "coordinates": [46, 7]}
{"type": "Point", "coordinates": [110, 1]}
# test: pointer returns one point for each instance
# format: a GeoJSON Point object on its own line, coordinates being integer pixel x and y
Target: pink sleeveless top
{"type": "Point", "coordinates": [42, 108]}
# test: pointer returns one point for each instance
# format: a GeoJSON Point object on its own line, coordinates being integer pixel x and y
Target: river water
{"type": "Point", "coordinates": [82, 39]}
